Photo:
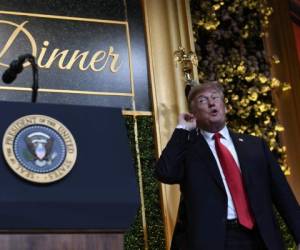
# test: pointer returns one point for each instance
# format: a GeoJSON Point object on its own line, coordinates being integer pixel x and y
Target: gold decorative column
{"type": "Point", "coordinates": [168, 26]}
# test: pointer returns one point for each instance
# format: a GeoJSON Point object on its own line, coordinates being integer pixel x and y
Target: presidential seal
{"type": "Point", "coordinates": [39, 148]}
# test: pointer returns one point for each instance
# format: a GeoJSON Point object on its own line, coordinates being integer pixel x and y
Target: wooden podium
{"type": "Point", "coordinates": [92, 206]}
{"type": "Point", "coordinates": [76, 241]}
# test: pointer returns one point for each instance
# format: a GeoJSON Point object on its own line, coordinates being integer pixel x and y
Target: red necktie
{"type": "Point", "coordinates": [234, 181]}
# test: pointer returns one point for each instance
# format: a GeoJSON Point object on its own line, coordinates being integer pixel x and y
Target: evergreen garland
{"type": "Point", "coordinates": [134, 238]}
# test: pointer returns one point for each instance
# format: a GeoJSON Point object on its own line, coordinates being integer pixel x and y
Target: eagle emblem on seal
{"type": "Point", "coordinates": [39, 145]}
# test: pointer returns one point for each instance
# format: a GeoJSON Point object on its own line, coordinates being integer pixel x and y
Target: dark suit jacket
{"type": "Point", "coordinates": [187, 160]}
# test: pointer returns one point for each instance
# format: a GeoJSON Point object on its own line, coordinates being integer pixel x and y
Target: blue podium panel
{"type": "Point", "coordinates": [100, 193]}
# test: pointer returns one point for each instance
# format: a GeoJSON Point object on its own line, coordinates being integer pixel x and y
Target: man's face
{"type": "Point", "coordinates": [209, 110]}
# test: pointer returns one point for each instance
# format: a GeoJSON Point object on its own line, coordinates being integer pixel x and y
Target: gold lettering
{"type": "Point", "coordinates": [76, 56]}
{"type": "Point", "coordinates": [98, 62]}
{"type": "Point", "coordinates": [51, 123]}
{"type": "Point", "coordinates": [113, 66]}
{"type": "Point", "coordinates": [68, 140]}
{"type": "Point", "coordinates": [42, 54]}
{"type": "Point", "coordinates": [56, 54]}
{"type": "Point", "coordinates": [13, 36]}
{"type": "Point", "coordinates": [9, 140]}
{"type": "Point", "coordinates": [98, 57]}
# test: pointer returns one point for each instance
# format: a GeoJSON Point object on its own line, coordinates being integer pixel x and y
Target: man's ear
{"type": "Point", "coordinates": [191, 111]}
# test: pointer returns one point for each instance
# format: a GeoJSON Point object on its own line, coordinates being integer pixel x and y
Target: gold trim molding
{"type": "Point", "coordinates": [136, 113]}
{"type": "Point", "coordinates": [66, 91]}
{"type": "Point", "coordinates": [81, 19]}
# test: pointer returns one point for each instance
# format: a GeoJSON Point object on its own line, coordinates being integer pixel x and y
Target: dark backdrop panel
{"type": "Point", "coordinates": [115, 26]}
{"type": "Point", "coordinates": [103, 9]}
{"type": "Point", "coordinates": [71, 35]}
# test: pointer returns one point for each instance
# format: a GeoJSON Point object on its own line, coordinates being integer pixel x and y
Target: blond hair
{"type": "Point", "coordinates": [205, 85]}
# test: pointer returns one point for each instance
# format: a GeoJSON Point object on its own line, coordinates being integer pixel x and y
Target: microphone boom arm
{"type": "Point", "coordinates": [35, 76]}
{"type": "Point", "coordinates": [16, 67]}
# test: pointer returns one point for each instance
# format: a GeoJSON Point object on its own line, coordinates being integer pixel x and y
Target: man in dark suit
{"type": "Point", "coordinates": [229, 182]}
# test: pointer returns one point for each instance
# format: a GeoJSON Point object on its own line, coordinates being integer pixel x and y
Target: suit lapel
{"type": "Point", "coordinates": [205, 153]}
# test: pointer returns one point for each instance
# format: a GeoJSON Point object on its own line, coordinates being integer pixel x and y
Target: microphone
{"type": "Point", "coordinates": [15, 67]}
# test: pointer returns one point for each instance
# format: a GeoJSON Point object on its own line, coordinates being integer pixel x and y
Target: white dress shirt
{"type": "Point", "coordinates": [225, 140]}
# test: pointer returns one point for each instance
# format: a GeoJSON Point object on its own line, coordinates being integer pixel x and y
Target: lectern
{"type": "Point", "coordinates": [88, 206]}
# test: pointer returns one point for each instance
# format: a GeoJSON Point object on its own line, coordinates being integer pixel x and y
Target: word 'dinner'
{"type": "Point", "coordinates": [64, 59]}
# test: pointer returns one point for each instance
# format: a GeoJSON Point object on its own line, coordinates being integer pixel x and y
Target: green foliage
{"type": "Point", "coordinates": [155, 225]}
{"type": "Point", "coordinates": [286, 234]}
{"type": "Point", "coordinates": [134, 239]}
